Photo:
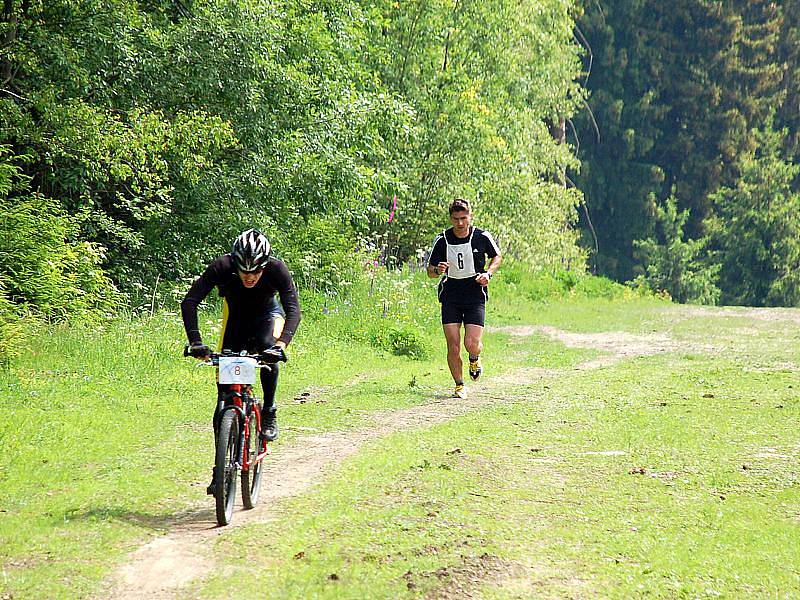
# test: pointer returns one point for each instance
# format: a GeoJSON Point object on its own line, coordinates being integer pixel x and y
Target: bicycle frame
{"type": "Point", "coordinates": [239, 398]}
{"type": "Point", "coordinates": [236, 408]}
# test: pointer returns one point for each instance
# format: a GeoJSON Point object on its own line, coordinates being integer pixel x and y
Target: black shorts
{"type": "Point", "coordinates": [253, 335]}
{"type": "Point", "coordinates": [469, 314]}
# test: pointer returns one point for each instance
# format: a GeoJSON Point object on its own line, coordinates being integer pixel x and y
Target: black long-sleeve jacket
{"type": "Point", "coordinates": [244, 305]}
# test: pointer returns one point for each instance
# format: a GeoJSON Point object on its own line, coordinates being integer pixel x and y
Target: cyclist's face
{"type": "Point", "coordinates": [250, 279]}
{"type": "Point", "coordinates": [461, 220]}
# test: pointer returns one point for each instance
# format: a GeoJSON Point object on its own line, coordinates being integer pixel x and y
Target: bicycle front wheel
{"type": "Point", "coordinates": [225, 494]}
{"type": "Point", "coordinates": [251, 478]}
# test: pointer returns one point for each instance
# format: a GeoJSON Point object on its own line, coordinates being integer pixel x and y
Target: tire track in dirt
{"type": "Point", "coordinates": [167, 564]}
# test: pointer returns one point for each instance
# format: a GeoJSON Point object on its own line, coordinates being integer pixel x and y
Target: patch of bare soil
{"type": "Point", "coordinates": [618, 344]}
{"type": "Point", "coordinates": [541, 582]}
{"type": "Point", "coordinates": [770, 315]}
{"type": "Point", "coordinates": [167, 564]}
{"type": "Point", "coordinates": [462, 579]}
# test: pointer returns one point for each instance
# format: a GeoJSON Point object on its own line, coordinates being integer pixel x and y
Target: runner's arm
{"type": "Point", "coordinates": [437, 259]}
{"type": "Point", "coordinates": [494, 254]}
{"type": "Point", "coordinates": [495, 258]}
{"type": "Point", "coordinates": [494, 264]}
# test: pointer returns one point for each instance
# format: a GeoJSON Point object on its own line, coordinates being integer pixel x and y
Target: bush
{"type": "Point", "coordinates": [599, 287]}
{"type": "Point", "coordinates": [44, 269]}
{"type": "Point", "coordinates": [674, 264]}
{"type": "Point", "coordinates": [399, 339]}
{"type": "Point", "coordinates": [322, 254]}
{"type": "Point", "coordinates": [541, 286]}
{"type": "Point", "coordinates": [755, 232]}
{"type": "Point", "coordinates": [10, 330]}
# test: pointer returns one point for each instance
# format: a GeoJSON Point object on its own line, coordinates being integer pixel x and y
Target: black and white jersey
{"type": "Point", "coordinates": [466, 258]}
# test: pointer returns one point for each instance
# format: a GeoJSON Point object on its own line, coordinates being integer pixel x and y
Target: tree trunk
{"type": "Point", "coordinates": [558, 130]}
{"type": "Point", "coordinates": [8, 39]}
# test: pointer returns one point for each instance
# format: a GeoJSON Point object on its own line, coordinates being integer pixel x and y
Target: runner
{"type": "Point", "coordinates": [248, 279]}
{"type": "Point", "coordinates": [459, 257]}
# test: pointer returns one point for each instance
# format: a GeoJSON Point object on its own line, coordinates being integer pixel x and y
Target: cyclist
{"type": "Point", "coordinates": [252, 320]}
{"type": "Point", "coordinates": [459, 257]}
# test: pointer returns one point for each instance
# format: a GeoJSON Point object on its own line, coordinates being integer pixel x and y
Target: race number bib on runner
{"type": "Point", "coordinates": [237, 369]}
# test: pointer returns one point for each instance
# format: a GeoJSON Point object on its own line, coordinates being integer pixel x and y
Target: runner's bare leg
{"type": "Point", "coordinates": [452, 334]}
{"type": "Point", "coordinates": [473, 339]}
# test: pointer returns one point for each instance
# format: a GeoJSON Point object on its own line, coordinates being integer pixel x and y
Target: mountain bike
{"type": "Point", "coordinates": [239, 444]}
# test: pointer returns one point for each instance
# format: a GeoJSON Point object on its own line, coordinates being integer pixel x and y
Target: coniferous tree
{"type": "Point", "coordinates": [788, 115]}
{"type": "Point", "coordinates": [676, 90]}
{"type": "Point", "coordinates": [755, 230]}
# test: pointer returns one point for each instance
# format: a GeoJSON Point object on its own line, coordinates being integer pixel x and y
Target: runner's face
{"type": "Point", "coordinates": [250, 279]}
{"type": "Point", "coordinates": [461, 220]}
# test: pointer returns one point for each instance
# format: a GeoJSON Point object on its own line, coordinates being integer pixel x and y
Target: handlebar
{"type": "Point", "coordinates": [264, 358]}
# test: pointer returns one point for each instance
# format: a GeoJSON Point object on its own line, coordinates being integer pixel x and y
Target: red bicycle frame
{"type": "Point", "coordinates": [238, 391]}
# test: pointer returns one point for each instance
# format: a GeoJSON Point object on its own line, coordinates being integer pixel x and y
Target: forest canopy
{"type": "Point", "coordinates": [154, 131]}
{"type": "Point", "coordinates": [138, 137]}
{"type": "Point", "coordinates": [695, 111]}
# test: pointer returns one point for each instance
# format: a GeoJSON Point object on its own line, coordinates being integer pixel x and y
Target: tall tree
{"type": "Point", "coordinates": [756, 231]}
{"type": "Point", "coordinates": [161, 124]}
{"type": "Point", "coordinates": [484, 80]}
{"type": "Point", "coordinates": [160, 128]}
{"type": "Point", "coordinates": [676, 89]}
{"type": "Point", "coordinates": [789, 46]}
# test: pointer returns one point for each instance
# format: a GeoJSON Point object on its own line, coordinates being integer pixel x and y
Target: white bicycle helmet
{"type": "Point", "coordinates": [251, 251]}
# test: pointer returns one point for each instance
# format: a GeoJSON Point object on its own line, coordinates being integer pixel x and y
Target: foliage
{"type": "Point", "coordinates": [756, 232]}
{"type": "Point", "coordinates": [401, 340]}
{"type": "Point", "coordinates": [388, 310]}
{"type": "Point", "coordinates": [44, 266]}
{"type": "Point", "coordinates": [788, 115]}
{"type": "Point", "coordinates": [169, 129]}
{"type": "Point", "coordinates": [322, 255]}
{"type": "Point", "coordinates": [484, 80]}
{"type": "Point", "coordinates": [676, 90]}
{"type": "Point", "coordinates": [11, 329]}
{"type": "Point", "coordinates": [674, 264]}
{"type": "Point", "coordinates": [541, 285]}
{"type": "Point", "coordinates": [161, 130]}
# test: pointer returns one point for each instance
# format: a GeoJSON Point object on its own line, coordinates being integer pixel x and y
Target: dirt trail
{"type": "Point", "coordinates": [170, 562]}
{"type": "Point", "coordinates": [167, 564]}
{"type": "Point", "coordinates": [767, 314]}
{"type": "Point", "coordinates": [618, 344]}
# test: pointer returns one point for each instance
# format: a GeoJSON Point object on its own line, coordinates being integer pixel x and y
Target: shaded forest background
{"type": "Point", "coordinates": [689, 152]}
{"type": "Point", "coordinates": [649, 142]}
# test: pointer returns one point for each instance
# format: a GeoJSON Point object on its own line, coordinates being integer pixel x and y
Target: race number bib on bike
{"type": "Point", "coordinates": [237, 369]}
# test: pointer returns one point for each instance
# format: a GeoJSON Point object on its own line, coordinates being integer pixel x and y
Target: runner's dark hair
{"type": "Point", "coordinates": [459, 204]}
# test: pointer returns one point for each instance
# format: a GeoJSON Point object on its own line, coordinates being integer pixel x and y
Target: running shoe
{"type": "Point", "coordinates": [475, 368]}
{"type": "Point", "coordinates": [460, 391]}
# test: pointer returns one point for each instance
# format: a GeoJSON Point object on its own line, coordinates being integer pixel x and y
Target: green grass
{"type": "Point", "coordinates": [673, 475]}
{"type": "Point", "coordinates": [666, 476]}
{"type": "Point", "coordinates": [105, 432]}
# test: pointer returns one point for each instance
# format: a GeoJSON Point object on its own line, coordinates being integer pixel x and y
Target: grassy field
{"type": "Point", "coordinates": [669, 471]}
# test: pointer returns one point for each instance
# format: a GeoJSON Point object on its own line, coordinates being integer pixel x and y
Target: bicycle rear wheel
{"type": "Point", "coordinates": [251, 479]}
{"type": "Point", "coordinates": [225, 494]}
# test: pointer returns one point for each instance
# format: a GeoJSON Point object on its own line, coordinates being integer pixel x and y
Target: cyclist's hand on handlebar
{"type": "Point", "coordinates": [273, 355]}
{"type": "Point", "coordinates": [199, 350]}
